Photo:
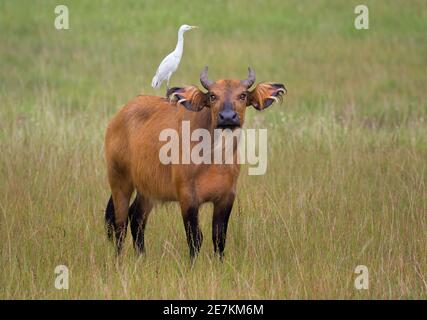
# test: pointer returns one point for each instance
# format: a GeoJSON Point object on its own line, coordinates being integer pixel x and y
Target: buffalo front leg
{"type": "Point", "coordinates": [190, 217]}
{"type": "Point", "coordinates": [222, 211]}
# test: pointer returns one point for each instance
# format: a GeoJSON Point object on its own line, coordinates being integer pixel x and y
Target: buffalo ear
{"type": "Point", "coordinates": [265, 93]}
{"type": "Point", "coordinates": [189, 97]}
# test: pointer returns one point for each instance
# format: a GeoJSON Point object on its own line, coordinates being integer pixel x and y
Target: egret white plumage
{"type": "Point", "coordinates": [172, 60]}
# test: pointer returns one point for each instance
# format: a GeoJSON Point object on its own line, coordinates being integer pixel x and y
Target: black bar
{"type": "Point", "coordinates": [215, 309]}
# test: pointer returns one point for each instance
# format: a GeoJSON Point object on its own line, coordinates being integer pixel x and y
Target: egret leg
{"type": "Point", "coordinates": [167, 84]}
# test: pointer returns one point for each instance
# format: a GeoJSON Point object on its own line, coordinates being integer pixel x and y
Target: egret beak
{"type": "Point", "coordinates": [194, 27]}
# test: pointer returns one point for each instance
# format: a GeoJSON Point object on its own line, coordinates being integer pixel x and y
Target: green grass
{"type": "Point", "coordinates": [346, 178]}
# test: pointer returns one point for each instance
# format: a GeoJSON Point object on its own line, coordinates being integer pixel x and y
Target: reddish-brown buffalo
{"type": "Point", "coordinates": [132, 148]}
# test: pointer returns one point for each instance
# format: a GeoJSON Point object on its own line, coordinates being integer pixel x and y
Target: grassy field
{"type": "Point", "coordinates": [346, 178]}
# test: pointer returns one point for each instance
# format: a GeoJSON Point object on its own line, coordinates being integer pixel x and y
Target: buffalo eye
{"type": "Point", "coordinates": [243, 96]}
{"type": "Point", "coordinates": [212, 97]}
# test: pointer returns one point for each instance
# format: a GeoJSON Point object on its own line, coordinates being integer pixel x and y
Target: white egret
{"type": "Point", "coordinates": [172, 60]}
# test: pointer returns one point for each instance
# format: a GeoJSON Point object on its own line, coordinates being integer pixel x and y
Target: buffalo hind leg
{"type": "Point", "coordinates": [121, 200]}
{"type": "Point", "coordinates": [109, 219]}
{"type": "Point", "coordinates": [138, 216]}
{"type": "Point", "coordinates": [220, 218]}
{"type": "Point", "coordinates": [194, 235]}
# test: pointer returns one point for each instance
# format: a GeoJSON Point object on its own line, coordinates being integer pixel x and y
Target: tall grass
{"type": "Point", "coordinates": [346, 177]}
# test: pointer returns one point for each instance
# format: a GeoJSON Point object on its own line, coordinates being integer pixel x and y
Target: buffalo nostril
{"type": "Point", "coordinates": [221, 116]}
{"type": "Point", "coordinates": [234, 117]}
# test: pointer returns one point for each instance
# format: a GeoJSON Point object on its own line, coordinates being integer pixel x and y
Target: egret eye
{"type": "Point", "coordinates": [212, 97]}
{"type": "Point", "coordinates": [243, 96]}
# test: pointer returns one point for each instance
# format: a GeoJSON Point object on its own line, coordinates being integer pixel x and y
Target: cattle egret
{"type": "Point", "coordinates": [172, 60]}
